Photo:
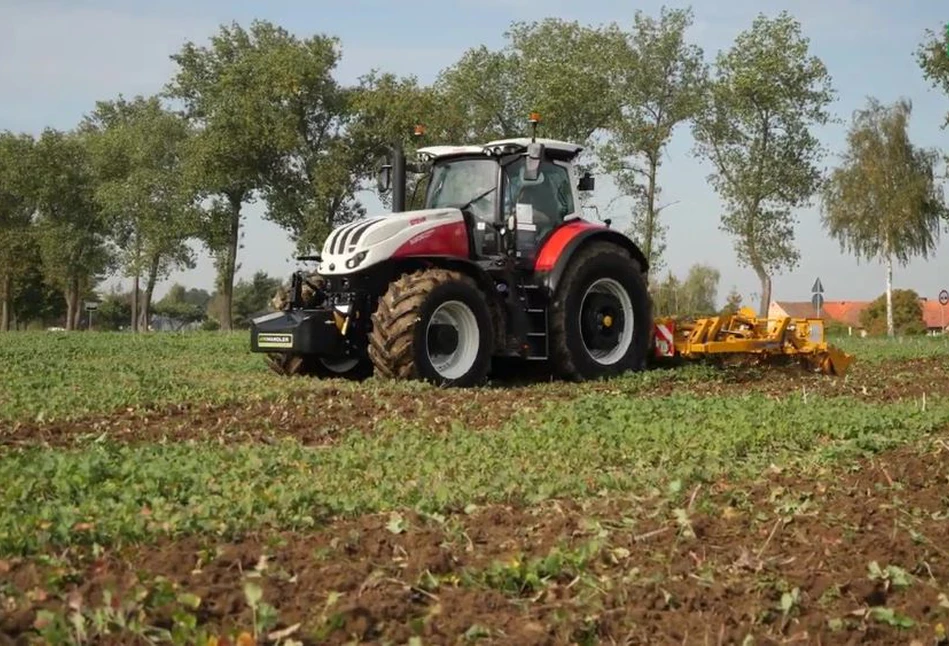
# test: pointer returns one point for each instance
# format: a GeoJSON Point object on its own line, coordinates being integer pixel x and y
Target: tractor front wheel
{"type": "Point", "coordinates": [433, 325]}
{"type": "Point", "coordinates": [601, 317]}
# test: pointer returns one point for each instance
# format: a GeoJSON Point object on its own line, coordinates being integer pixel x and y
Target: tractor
{"type": "Point", "coordinates": [499, 263]}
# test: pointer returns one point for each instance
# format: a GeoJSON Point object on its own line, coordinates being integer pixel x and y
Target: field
{"type": "Point", "coordinates": [170, 489]}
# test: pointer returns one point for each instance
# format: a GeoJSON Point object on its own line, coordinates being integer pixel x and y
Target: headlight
{"type": "Point", "coordinates": [356, 260]}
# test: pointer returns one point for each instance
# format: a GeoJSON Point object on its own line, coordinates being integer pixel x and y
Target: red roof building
{"type": "Point", "coordinates": [935, 316]}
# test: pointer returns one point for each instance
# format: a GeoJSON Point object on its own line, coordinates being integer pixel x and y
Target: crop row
{"type": "Point", "coordinates": [105, 492]}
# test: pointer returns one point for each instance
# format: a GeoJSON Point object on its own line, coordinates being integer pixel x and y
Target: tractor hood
{"type": "Point", "coordinates": [357, 245]}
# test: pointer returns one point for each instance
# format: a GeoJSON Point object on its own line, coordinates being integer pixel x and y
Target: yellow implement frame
{"type": "Point", "coordinates": [745, 333]}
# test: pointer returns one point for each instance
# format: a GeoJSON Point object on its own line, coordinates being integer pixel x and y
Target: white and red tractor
{"type": "Point", "coordinates": [499, 262]}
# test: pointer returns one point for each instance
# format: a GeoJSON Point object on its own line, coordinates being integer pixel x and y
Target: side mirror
{"type": "Point", "coordinates": [535, 153]}
{"type": "Point", "coordinates": [384, 178]}
{"type": "Point", "coordinates": [586, 183]}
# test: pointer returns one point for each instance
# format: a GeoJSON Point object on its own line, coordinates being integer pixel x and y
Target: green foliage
{"type": "Point", "coordinates": [47, 375]}
{"type": "Point", "coordinates": [907, 314]}
{"type": "Point", "coordinates": [492, 92]}
{"type": "Point", "coordinates": [884, 201]}
{"type": "Point", "coordinates": [16, 202]}
{"type": "Point", "coordinates": [72, 230]}
{"type": "Point", "coordinates": [137, 149]}
{"type": "Point", "coordinates": [184, 305]}
{"type": "Point", "coordinates": [659, 84]}
{"type": "Point", "coordinates": [617, 444]}
{"type": "Point", "coordinates": [233, 93]}
{"type": "Point", "coordinates": [253, 297]}
{"type": "Point", "coordinates": [693, 297]}
{"type": "Point", "coordinates": [934, 62]}
{"type": "Point", "coordinates": [767, 92]}
{"type": "Point", "coordinates": [732, 302]}
{"type": "Point", "coordinates": [35, 300]}
{"type": "Point", "coordinates": [114, 313]}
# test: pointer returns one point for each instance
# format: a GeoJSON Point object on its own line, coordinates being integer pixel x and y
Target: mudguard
{"type": "Point", "coordinates": [555, 255]}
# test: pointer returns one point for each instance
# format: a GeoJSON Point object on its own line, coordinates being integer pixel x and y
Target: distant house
{"type": "Point", "coordinates": [847, 313]}
{"type": "Point", "coordinates": [935, 316]}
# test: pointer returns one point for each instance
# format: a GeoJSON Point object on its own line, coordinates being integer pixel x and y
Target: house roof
{"type": "Point", "coordinates": [798, 310]}
{"type": "Point", "coordinates": [844, 312]}
{"type": "Point", "coordinates": [935, 315]}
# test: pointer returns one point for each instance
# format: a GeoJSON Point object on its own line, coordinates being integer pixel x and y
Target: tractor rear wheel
{"type": "Point", "coordinates": [433, 325]}
{"type": "Point", "coordinates": [601, 316]}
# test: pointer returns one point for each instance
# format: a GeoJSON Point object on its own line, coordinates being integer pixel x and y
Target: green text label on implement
{"type": "Point", "coordinates": [275, 340]}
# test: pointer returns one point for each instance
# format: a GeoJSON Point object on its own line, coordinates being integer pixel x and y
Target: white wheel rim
{"type": "Point", "coordinates": [458, 362]}
{"type": "Point", "coordinates": [339, 367]}
{"type": "Point", "coordinates": [612, 288]}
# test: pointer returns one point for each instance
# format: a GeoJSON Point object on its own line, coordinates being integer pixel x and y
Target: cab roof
{"type": "Point", "coordinates": [555, 147]}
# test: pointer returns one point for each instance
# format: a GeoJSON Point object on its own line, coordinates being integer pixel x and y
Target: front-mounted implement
{"type": "Point", "coordinates": [745, 335]}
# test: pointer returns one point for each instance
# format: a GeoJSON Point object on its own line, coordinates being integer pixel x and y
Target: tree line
{"type": "Point", "coordinates": [257, 114]}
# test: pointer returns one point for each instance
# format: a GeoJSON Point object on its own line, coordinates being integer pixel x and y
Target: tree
{"type": "Point", "coordinates": [237, 101]}
{"type": "Point", "coordinates": [732, 303]}
{"type": "Point", "coordinates": [310, 186]}
{"type": "Point", "coordinates": [253, 296]}
{"type": "Point", "coordinates": [16, 211]}
{"type": "Point", "coordinates": [883, 202]}
{"type": "Point", "coordinates": [660, 85]}
{"type": "Point", "coordinates": [932, 55]}
{"type": "Point", "coordinates": [900, 309]}
{"type": "Point", "coordinates": [559, 68]}
{"type": "Point", "coordinates": [137, 154]}
{"type": "Point", "coordinates": [665, 296]}
{"type": "Point", "coordinates": [72, 230]}
{"type": "Point", "coordinates": [385, 110]}
{"type": "Point", "coordinates": [34, 300]}
{"type": "Point", "coordinates": [754, 129]}
{"type": "Point", "coordinates": [700, 291]}
{"type": "Point", "coordinates": [183, 305]}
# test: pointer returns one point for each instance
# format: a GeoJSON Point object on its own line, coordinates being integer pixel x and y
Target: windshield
{"type": "Point", "coordinates": [455, 183]}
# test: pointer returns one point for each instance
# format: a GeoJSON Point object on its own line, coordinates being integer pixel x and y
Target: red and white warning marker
{"type": "Point", "coordinates": [664, 343]}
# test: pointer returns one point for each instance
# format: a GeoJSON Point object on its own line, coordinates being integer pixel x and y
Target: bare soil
{"type": "Point", "coordinates": [785, 559]}
{"type": "Point", "coordinates": [320, 416]}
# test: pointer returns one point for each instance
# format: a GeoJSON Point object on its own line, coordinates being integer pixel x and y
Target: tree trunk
{"type": "Point", "coordinates": [230, 263]}
{"type": "Point", "coordinates": [72, 298]}
{"type": "Point", "coordinates": [6, 308]}
{"type": "Point", "coordinates": [890, 327]}
{"type": "Point", "coordinates": [650, 209]}
{"type": "Point", "coordinates": [765, 279]}
{"type": "Point", "coordinates": [149, 290]}
{"type": "Point", "coordinates": [136, 289]}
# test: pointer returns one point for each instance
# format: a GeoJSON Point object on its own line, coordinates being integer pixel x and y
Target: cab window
{"type": "Point", "coordinates": [551, 197]}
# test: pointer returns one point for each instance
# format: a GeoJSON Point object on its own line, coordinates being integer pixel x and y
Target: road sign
{"type": "Point", "coordinates": [91, 306]}
{"type": "Point", "coordinates": [943, 297]}
{"type": "Point", "coordinates": [817, 288]}
{"type": "Point", "coordinates": [818, 302]}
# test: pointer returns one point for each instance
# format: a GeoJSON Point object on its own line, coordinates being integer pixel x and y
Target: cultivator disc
{"type": "Point", "coordinates": [766, 341]}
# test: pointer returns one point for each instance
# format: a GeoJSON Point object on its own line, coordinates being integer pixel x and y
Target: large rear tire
{"type": "Point", "coordinates": [601, 315]}
{"type": "Point", "coordinates": [433, 325]}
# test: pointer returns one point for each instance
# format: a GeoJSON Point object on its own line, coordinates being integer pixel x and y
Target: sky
{"type": "Point", "coordinates": [58, 57]}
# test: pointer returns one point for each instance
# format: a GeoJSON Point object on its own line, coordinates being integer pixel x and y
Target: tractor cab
{"type": "Point", "coordinates": [513, 193]}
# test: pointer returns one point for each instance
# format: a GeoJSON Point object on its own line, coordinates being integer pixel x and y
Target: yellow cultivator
{"type": "Point", "coordinates": [746, 334]}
